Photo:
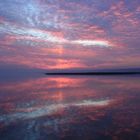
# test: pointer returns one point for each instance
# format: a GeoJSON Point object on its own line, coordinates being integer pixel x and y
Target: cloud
{"type": "Point", "coordinates": [92, 43]}
{"type": "Point", "coordinates": [22, 33]}
{"type": "Point", "coordinates": [68, 34]}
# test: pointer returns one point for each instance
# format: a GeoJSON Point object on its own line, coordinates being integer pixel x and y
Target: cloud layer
{"type": "Point", "coordinates": [70, 34]}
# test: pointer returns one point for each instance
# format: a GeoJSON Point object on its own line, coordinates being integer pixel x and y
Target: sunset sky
{"type": "Point", "coordinates": [70, 34]}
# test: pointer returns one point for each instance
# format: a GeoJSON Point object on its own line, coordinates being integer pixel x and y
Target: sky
{"type": "Point", "coordinates": [69, 34]}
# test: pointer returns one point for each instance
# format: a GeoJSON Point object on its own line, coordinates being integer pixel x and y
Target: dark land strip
{"type": "Point", "coordinates": [92, 73]}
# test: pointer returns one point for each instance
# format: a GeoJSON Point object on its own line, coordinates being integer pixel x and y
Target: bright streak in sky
{"type": "Point", "coordinates": [44, 36]}
{"type": "Point", "coordinates": [92, 43]}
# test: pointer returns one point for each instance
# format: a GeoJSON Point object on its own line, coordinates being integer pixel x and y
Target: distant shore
{"type": "Point", "coordinates": [92, 73]}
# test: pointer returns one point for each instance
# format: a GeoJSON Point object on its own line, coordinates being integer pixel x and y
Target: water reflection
{"type": "Point", "coordinates": [70, 108]}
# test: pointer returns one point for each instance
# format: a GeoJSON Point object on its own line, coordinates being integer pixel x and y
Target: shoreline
{"type": "Point", "coordinates": [92, 73]}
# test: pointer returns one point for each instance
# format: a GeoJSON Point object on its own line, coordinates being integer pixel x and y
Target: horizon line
{"type": "Point", "coordinates": [92, 73]}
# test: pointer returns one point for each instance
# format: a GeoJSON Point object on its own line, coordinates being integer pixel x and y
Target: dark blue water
{"type": "Point", "coordinates": [70, 108]}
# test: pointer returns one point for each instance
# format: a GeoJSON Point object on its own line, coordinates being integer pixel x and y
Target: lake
{"type": "Point", "coordinates": [70, 108]}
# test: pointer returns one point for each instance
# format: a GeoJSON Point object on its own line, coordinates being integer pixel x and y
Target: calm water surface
{"type": "Point", "coordinates": [71, 108]}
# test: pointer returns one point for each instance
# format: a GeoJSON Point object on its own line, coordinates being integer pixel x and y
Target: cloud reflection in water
{"type": "Point", "coordinates": [59, 107]}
